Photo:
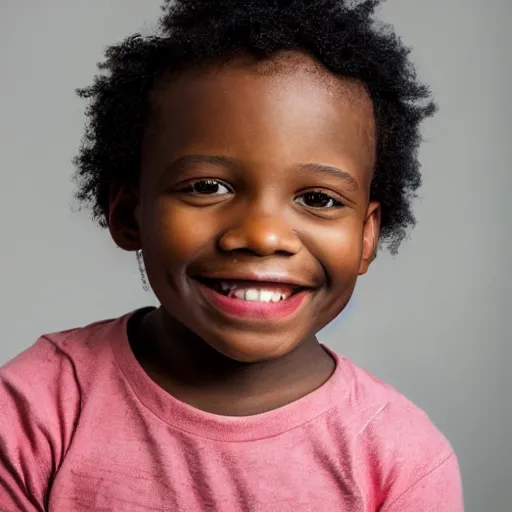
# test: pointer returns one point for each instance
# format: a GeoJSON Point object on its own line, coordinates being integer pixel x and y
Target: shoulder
{"type": "Point", "coordinates": [75, 355]}
{"type": "Point", "coordinates": [41, 398]}
{"type": "Point", "coordinates": [53, 350]}
{"type": "Point", "coordinates": [55, 358]}
{"type": "Point", "coordinates": [386, 414]}
{"type": "Point", "coordinates": [46, 381]}
{"type": "Point", "coordinates": [398, 442]}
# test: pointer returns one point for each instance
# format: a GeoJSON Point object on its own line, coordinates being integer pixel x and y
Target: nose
{"type": "Point", "coordinates": [261, 235]}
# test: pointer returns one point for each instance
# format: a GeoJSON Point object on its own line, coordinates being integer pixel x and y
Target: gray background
{"type": "Point", "coordinates": [434, 321]}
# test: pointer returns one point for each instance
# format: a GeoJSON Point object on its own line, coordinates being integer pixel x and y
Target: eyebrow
{"type": "Point", "coordinates": [331, 171]}
{"type": "Point", "coordinates": [218, 160]}
{"type": "Point", "coordinates": [225, 161]}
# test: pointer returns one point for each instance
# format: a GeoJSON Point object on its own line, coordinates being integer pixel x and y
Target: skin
{"type": "Point", "coordinates": [273, 128]}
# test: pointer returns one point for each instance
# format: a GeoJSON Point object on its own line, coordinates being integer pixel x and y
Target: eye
{"type": "Point", "coordinates": [318, 200]}
{"type": "Point", "coordinates": [206, 187]}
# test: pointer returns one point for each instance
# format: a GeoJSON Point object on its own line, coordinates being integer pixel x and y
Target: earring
{"type": "Point", "coordinates": [143, 276]}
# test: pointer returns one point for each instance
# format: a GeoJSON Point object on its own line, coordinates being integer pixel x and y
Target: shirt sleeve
{"type": "Point", "coordinates": [440, 490]}
{"type": "Point", "coordinates": [39, 404]}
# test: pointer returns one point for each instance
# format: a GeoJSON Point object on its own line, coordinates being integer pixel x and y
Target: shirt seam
{"type": "Point", "coordinates": [379, 412]}
{"type": "Point", "coordinates": [72, 364]}
{"type": "Point", "coordinates": [194, 434]}
{"type": "Point", "coordinates": [77, 381]}
{"type": "Point", "coordinates": [418, 480]}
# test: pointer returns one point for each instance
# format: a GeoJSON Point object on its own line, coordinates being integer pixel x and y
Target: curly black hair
{"type": "Point", "coordinates": [342, 35]}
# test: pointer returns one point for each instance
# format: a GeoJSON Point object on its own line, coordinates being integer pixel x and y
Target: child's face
{"type": "Point", "coordinates": [261, 176]}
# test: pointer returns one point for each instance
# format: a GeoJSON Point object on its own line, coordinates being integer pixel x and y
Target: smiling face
{"type": "Point", "coordinates": [253, 207]}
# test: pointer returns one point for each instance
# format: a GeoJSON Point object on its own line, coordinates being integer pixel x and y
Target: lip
{"type": "Point", "coordinates": [252, 310]}
{"type": "Point", "coordinates": [257, 277]}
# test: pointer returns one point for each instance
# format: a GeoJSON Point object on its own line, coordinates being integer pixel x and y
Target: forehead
{"type": "Point", "coordinates": [287, 104]}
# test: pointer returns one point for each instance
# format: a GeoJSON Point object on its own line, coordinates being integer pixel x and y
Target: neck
{"type": "Point", "coordinates": [195, 373]}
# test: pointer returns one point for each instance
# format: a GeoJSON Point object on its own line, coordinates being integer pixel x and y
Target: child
{"type": "Point", "coordinates": [252, 154]}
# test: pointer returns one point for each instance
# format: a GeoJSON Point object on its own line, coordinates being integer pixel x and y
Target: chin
{"type": "Point", "coordinates": [253, 349]}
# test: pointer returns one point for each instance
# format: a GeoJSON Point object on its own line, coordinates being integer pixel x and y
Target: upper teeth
{"type": "Point", "coordinates": [254, 294]}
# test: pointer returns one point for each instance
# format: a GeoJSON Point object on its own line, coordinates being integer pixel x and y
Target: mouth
{"type": "Point", "coordinates": [253, 299]}
{"type": "Point", "coordinates": [252, 291]}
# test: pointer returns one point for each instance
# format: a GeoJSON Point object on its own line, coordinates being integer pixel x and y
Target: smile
{"type": "Point", "coordinates": [252, 291]}
{"type": "Point", "coordinates": [253, 299]}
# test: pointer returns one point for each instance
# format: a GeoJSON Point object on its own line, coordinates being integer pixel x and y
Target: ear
{"type": "Point", "coordinates": [371, 231]}
{"type": "Point", "coordinates": [123, 214]}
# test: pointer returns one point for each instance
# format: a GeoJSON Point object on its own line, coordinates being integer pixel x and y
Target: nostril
{"type": "Point", "coordinates": [261, 235]}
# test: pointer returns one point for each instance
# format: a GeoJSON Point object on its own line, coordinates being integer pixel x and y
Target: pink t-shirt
{"type": "Point", "coordinates": [83, 428]}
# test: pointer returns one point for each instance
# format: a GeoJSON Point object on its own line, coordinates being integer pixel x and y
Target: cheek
{"type": "Point", "coordinates": [175, 233]}
{"type": "Point", "coordinates": [339, 248]}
